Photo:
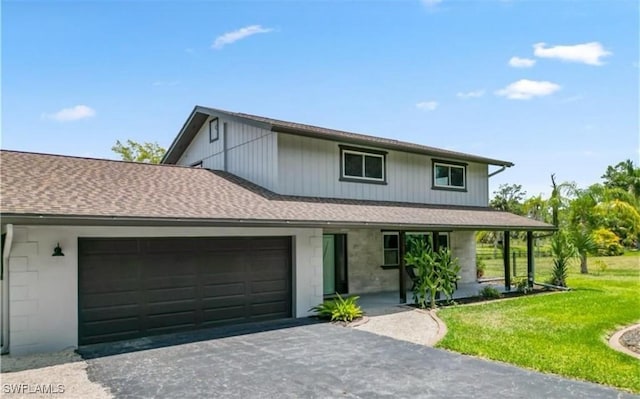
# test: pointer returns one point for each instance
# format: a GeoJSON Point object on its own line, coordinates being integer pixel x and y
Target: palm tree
{"type": "Point", "coordinates": [583, 243]}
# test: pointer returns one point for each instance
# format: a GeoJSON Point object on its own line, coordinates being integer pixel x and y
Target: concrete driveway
{"type": "Point", "coordinates": [313, 361]}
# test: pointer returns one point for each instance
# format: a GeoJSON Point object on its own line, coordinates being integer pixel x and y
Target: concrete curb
{"type": "Point", "coordinates": [442, 328]}
{"type": "Point", "coordinates": [614, 342]}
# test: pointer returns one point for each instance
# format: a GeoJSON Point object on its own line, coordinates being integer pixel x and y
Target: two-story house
{"type": "Point", "coordinates": [247, 219]}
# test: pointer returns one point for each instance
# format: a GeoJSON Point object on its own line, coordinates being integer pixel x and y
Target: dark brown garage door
{"type": "Point", "coordinates": [134, 287]}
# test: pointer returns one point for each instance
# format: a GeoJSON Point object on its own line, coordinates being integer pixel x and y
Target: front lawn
{"type": "Point", "coordinates": [563, 333]}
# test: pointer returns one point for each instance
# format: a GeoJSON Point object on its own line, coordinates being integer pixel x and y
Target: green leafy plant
{"type": "Point", "coordinates": [481, 267]}
{"type": "Point", "coordinates": [489, 292]}
{"type": "Point", "coordinates": [448, 268]}
{"type": "Point", "coordinates": [427, 281]}
{"type": "Point", "coordinates": [435, 273]}
{"type": "Point", "coordinates": [601, 265]}
{"type": "Point", "coordinates": [339, 309]}
{"type": "Point", "coordinates": [563, 252]}
{"type": "Point", "coordinates": [522, 285]}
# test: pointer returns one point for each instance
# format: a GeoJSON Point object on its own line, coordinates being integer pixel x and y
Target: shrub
{"type": "Point", "coordinates": [601, 265]}
{"type": "Point", "coordinates": [481, 266]}
{"type": "Point", "coordinates": [339, 309]}
{"type": "Point", "coordinates": [607, 242]}
{"type": "Point", "coordinates": [562, 252]}
{"type": "Point", "coordinates": [489, 292]}
{"type": "Point", "coordinates": [522, 285]}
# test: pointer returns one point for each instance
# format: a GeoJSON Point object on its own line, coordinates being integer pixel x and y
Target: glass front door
{"type": "Point", "coordinates": [334, 264]}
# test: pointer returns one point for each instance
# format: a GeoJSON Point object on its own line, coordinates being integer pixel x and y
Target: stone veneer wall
{"type": "Point", "coordinates": [463, 247]}
{"type": "Point", "coordinates": [364, 258]}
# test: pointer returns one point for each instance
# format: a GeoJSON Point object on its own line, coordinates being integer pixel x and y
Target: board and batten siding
{"type": "Point", "coordinates": [311, 167]}
{"type": "Point", "coordinates": [251, 152]}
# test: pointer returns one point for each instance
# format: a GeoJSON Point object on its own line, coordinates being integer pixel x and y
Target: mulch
{"type": "Point", "coordinates": [631, 339]}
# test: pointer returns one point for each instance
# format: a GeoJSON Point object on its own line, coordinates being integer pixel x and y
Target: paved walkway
{"type": "Point", "coordinates": [320, 361]}
{"type": "Point", "coordinates": [406, 324]}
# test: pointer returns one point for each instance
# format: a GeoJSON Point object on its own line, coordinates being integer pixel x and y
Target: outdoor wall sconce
{"type": "Point", "coordinates": [57, 251]}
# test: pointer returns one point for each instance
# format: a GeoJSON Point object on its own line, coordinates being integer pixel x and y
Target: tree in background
{"type": "Point", "coordinates": [601, 219]}
{"type": "Point", "coordinates": [136, 152]}
{"type": "Point", "coordinates": [537, 208]}
{"type": "Point", "coordinates": [625, 175]}
{"type": "Point", "coordinates": [509, 198]}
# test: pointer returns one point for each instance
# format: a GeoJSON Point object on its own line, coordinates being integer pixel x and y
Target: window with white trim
{"type": "Point", "coordinates": [449, 175]}
{"type": "Point", "coordinates": [362, 165]}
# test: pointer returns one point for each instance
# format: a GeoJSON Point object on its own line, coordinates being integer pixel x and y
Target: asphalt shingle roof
{"type": "Point", "coordinates": [55, 186]}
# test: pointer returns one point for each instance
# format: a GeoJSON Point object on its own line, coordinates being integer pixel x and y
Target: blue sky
{"type": "Point", "coordinates": [551, 86]}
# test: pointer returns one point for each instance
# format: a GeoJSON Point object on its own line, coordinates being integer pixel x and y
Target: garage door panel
{"type": "Point", "coordinates": [235, 313]}
{"type": "Point", "coordinates": [152, 284]}
{"type": "Point", "coordinates": [221, 290]}
{"type": "Point", "coordinates": [125, 325]}
{"type": "Point", "coordinates": [170, 294]}
{"type": "Point", "coordinates": [120, 268]}
{"type": "Point", "coordinates": [109, 246]}
{"type": "Point", "coordinates": [172, 306]}
{"type": "Point", "coordinates": [111, 313]}
{"type": "Point", "coordinates": [177, 319]}
{"type": "Point", "coordinates": [277, 286]}
{"type": "Point", "coordinates": [110, 286]}
{"type": "Point", "coordinates": [223, 302]}
{"type": "Point", "coordinates": [109, 299]}
{"type": "Point", "coordinates": [135, 287]}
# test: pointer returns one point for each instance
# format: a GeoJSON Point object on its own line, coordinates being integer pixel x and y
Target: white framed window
{"type": "Point", "coordinates": [449, 175]}
{"type": "Point", "coordinates": [357, 164]}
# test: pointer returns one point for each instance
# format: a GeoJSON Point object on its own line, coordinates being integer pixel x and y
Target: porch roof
{"type": "Point", "coordinates": [54, 189]}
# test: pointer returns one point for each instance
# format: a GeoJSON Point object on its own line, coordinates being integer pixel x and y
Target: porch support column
{"type": "Point", "coordinates": [530, 269]}
{"type": "Point", "coordinates": [402, 267]}
{"type": "Point", "coordinates": [507, 260]}
{"type": "Point", "coordinates": [435, 244]}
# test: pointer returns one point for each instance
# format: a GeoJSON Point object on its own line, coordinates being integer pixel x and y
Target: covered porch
{"type": "Point", "coordinates": [379, 302]}
{"type": "Point", "coordinates": [369, 262]}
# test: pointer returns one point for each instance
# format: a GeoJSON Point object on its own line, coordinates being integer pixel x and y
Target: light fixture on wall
{"type": "Point", "coordinates": [57, 251]}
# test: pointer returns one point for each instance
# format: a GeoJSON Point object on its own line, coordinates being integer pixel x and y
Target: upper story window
{"type": "Point", "coordinates": [449, 175]}
{"type": "Point", "coordinates": [362, 165]}
{"type": "Point", "coordinates": [213, 130]}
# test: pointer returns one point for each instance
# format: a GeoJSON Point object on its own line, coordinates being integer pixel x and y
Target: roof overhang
{"type": "Point", "coordinates": [83, 220]}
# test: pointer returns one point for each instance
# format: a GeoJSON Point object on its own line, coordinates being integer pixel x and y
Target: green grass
{"type": "Point", "coordinates": [562, 333]}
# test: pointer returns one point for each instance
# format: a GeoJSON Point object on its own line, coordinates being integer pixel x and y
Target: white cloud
{"type": "Point", "coordinates": [72, 114]}
{"type": "Point", "coordinates": [526, 89]}
{"type": "Point", "coordinates": [518, 62]}
{"type": "Point", "coordinates": [232, 37]}
{"type": "Point", "coordinates": [471, 94]}
{"type": "Point", "coordinates": [431, 3]}
{"type": "Point", "coordinates": [586, 53]}
{"type": "Point", "coordinates": [427, 105]}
